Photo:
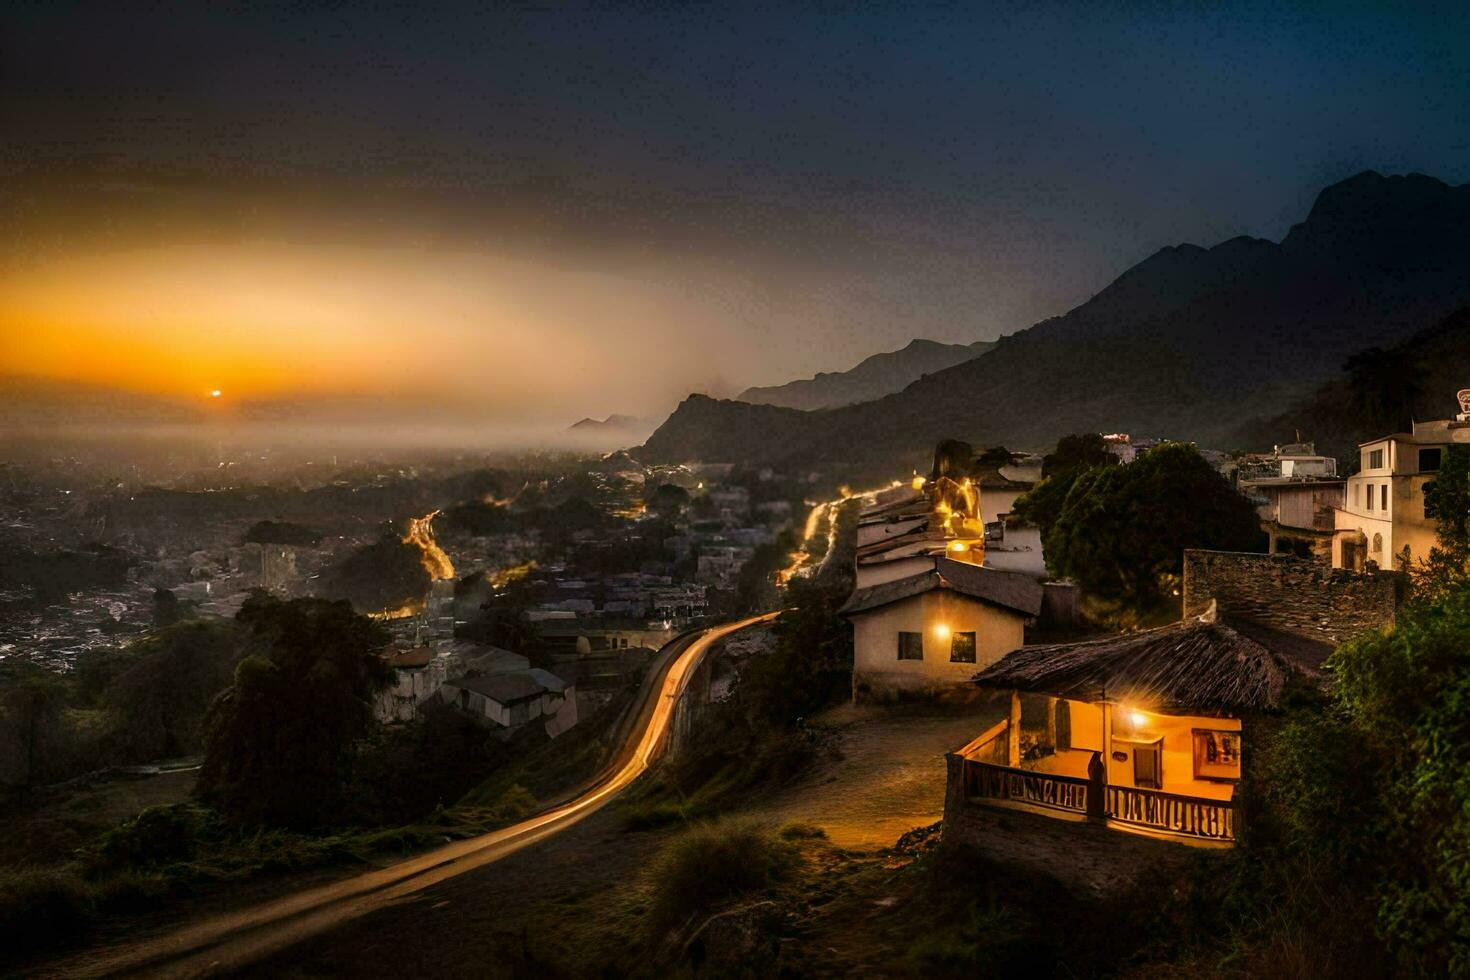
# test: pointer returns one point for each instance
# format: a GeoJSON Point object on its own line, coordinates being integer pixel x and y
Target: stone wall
{"type": "Point", "coordinates": [1294, 595]}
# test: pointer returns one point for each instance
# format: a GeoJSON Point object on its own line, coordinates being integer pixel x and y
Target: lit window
{"type": "Point", "coordinates": [962, 648]}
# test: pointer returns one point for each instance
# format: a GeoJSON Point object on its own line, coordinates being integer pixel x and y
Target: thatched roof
{"type": "Point", "coordinates": [1197, 664]}
{"type": "Point", "coordinates": [1011, 590]}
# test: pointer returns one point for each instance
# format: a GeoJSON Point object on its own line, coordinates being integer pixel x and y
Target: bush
{"type": "Point", "coordinates": [714, 863]}
{"type": "Point", "coordinates": [42, 907]}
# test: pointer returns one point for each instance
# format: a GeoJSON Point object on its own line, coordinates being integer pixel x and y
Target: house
{"type": "Point", "coordinates": [1147, 732]}
{"type": "Point", "coordinates": [418, 673]}
{"type": "Point", "coordinates": [927, 633]}
{"type": "Point", "coordinates": [514, 698]}
{"type": "Point", "coordinates": [929, 607]}
{"type": "Point", "coordinates": [1382, 517]}
{"type": "Point", "coordinates": [1298, 514]}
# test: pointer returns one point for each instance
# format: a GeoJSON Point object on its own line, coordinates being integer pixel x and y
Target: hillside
{"type": "Point", "coordinates": [1188, 344]}
{"type": "Point", "coordinates": [874, 377]}
{"type": "Point", "coordinates": [1420, 378]}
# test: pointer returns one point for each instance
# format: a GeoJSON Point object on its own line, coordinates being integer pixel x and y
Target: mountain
{"type": "Point", "coordinates": [1191, 343]}
{"type": "Point", "coordinates": [1387, 389]}
{"type": "Point", "coordinates": [876, 376]}
{"type": "Point", "coordinates": [613, 432]}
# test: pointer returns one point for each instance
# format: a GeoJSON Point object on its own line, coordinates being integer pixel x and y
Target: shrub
{"type": "Point", "coordinates": [713, 863]}
{"type": "Point", "coordinates": [41, 907]}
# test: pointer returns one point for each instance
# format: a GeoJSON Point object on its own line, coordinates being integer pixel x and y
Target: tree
{"type": "Point", "coordinates": [1123, 529]}
{"type": "Point", "coordinates": [1405, 693]}
{"type": "Point", "coordinates": [1074, 455]}
{"type": "Point", "coordinates": [1447, 502]}
{"type": "Point", "coordinates": [668, 499]}
{"type": "Point", "coordinates": [158, 703]}
{"type": "Point", "coordinates": [387, 574]}
{"type": "Point", "coordinates": [1077, 452]}
{"type": "Point", "coordinates": [280, 741]}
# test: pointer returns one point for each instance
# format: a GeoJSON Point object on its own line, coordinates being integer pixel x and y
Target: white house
{"type": "Point", "coordinates": [1383, 514]}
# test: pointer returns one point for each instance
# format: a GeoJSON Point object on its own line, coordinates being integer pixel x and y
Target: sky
{"type": "Point", "coordinates": [546, 212]}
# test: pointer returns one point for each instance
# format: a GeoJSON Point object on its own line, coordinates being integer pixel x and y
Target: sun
{"type": "Point", "coordinates": [215, 393]}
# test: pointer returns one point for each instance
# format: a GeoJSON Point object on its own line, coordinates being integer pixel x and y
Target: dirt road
{"type": "Point", "coordinates": [231, 941]}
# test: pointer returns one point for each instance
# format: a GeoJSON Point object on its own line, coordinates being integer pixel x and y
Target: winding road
{"type": "Point", "coordinates": [232, 940]}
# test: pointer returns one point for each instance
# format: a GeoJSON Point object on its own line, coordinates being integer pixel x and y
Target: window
{"type": "Point", "coordinates": [1216, 754]}
{"type": "Point", "coordinates": [1429, 460]}
{"type": "Point", "coordinates": [1375, 460]}
{"type": "Point", "coordinates": [910, 646]}
{"type": "Point", "coordinates": [1357, 495]}
{"type": "Point", "coordinates": [1383, 498]}
{"type": "Point", "coordinates": [962, 648]}
{"type": "Point", "coordinates": [1370, 496]}
{"type": "Point", "coordinates": [1378, 544]}
{"type": "Point", "coordinates": [1147, 771]}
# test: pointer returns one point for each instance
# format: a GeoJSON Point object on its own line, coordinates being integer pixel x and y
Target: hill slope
{"type": "Point", "coordinates": [874, 377]}
{"type": "Point", "coordinates": [1189, 344]}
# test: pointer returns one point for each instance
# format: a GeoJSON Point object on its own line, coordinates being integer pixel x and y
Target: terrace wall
{"type": "Point", "coordinates": [1294, 595]}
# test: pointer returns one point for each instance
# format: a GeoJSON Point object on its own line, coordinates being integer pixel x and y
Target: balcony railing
{"type": "Point", "coordinates": [1185, 816]}
{"type": "Point", "coordinates": [988, 781]}
{"type": "Point", "coordinates": [1188, 816]}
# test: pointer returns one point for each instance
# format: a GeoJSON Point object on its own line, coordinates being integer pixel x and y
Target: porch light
{"type": "Point", "coordinates": [941, 630]}
{"type": "Point", "coordinates": [1138, 718]}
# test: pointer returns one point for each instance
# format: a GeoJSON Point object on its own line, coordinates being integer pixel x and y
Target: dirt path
{"type": "Point", "coordinates": [887, 776]}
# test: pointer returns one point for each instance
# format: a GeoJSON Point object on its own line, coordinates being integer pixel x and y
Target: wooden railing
{"type": "Point", "coordinates": [994, 782]}
{"type": "Point", "coordinates": [989, 745]}
{"type": "Point", "coordinates": [1186, 815]}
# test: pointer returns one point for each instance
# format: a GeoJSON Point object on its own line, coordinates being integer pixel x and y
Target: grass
{"type": "Point", "coordinates": [714, 863]}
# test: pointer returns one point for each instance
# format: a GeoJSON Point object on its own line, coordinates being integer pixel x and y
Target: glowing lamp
{"type": "Point", "coordinates": [1138, 718]}
{"type": "Point", "coordinates": [941, 630]}
{"type": "Point", "coordinates": [215, 393]}
{"type": "Point", "coordinates": [918, 483]}
{"type": "Point", "coordinates": [958, 546]}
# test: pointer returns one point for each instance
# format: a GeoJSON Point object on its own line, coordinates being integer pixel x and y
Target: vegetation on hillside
{"type": "Point", "coordinates": [1121, 531]}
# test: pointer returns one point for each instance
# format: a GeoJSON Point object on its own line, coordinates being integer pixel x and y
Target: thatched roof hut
{"type": "Point", "coordinates": [1195, 665]}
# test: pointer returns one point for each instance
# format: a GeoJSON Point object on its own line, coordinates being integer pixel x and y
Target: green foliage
{"type": "Point", "coordinates": [158, 703]}
{"type": "Point", "coordinates": [810, 666]}
{"type": "Point", "coordinates": [1123, 530]}
{"type": "Point", "coordinates": [282, 532]}
{"type": "Point", "coordinates": [1447, 500]}
{"type": "Point", "coordinates": [387, 574]}
{"type": "Point", "coordinates": [480, 517]}
{"type": "Point", "coordinates": [714, 863]}
{"type": "Point", "coordinates": [1077, 452]}
{"type": "Point", "coordinates": [667, 499]}
{"type": "Point", "coordinates": [280, 741]}
{"type": "Point", "coordinates": [1406, 692]}
{"type": "Point", "coordinates": [42, 907]}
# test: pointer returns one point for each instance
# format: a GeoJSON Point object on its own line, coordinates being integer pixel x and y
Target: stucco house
{"type": "Point", "coordinates": [1147, 732]}
{"type": "Point", "coordinates": [929, 632]}
{"type": "Point", "coordinates": [1383, 511]}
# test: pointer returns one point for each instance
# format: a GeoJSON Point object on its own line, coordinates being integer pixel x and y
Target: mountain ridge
{"type": "Point", "coordinates": [1188, 343]}
{"type": "Point", "coordinates": [873, 377]}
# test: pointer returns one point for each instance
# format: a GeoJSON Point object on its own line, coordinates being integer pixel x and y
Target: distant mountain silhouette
{"type": "Point", "coordinates": [1191, 343]}
{"type": "Point", "coordinates": [874, 377]}
{"type": "Point", "coordinates": [613, 432]}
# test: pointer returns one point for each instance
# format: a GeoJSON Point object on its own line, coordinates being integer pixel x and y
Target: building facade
{"type": "Point", "coordinates": [1382, 518]}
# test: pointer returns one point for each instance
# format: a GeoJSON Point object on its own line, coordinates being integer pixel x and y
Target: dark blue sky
{"type": "Point", "coordinates": [830, 182]}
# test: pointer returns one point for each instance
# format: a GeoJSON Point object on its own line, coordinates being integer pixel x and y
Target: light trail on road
{"type": "Point", "coordinates": [234, 939]}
